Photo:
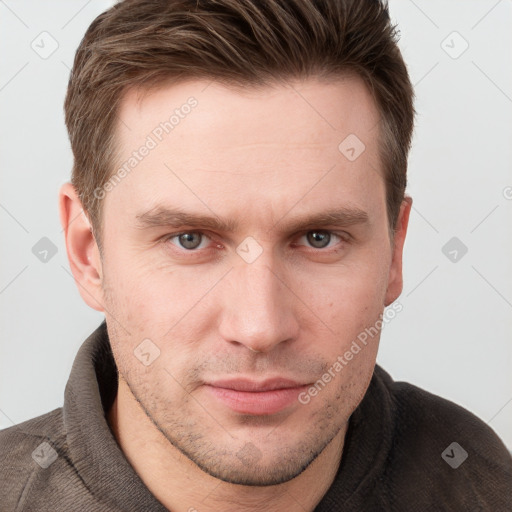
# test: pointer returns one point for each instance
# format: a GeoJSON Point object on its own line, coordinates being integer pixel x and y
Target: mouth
{"type": "Point", "coordinates": [246, 396]}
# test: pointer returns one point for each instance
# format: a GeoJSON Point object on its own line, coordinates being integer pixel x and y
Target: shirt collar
{"type": "Point", "coordinates": [94, 452]}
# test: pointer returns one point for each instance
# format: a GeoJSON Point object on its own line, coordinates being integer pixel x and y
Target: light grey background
{"type": "Point", "coordinates": [453, 336]}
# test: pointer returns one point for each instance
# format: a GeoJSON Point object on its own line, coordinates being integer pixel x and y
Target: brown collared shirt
{"type": "Point", "coordinates": [405, 450]}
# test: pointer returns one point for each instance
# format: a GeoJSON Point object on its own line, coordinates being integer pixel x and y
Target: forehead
{"type": "Point", "coordinates": [339, 104]}
{"type": "Point", "coordinates": [263, 149]}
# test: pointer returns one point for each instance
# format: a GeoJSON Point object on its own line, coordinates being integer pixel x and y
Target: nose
{"type": "Point", "coordinates": [258, 309]}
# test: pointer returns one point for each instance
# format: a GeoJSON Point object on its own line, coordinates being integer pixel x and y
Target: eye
{"type": "Point", "coordinates": [190, 240]}
{"type": "Point", "coordinates": [320, 239]}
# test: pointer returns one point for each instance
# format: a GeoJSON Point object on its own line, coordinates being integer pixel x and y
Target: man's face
{"type": "Point", "coordinates": [267, 292]}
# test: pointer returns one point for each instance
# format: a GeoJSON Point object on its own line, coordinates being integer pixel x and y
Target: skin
{"type": "Point", "coordinates": [265, 158]}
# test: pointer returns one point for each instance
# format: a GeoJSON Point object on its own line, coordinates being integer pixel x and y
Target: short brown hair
{"type": "Point", "coordinates": [142, 43]}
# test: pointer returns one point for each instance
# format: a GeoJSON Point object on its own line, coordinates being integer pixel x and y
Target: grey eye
{"type": "Point", "coordinates": [319, 239]}
{"type": "Point", "coordinates": [190, 240]}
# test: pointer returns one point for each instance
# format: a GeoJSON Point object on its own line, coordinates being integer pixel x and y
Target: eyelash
{"type": "Point", "coordinates": [343, 238]}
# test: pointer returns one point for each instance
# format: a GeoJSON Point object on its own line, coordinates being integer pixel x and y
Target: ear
{"type": "Point", "coordinates": [83, 253]}
{"type": "Point", "coordinates": [395, 278]}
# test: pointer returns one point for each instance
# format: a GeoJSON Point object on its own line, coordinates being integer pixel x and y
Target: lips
{"type": "Point", "coordinates": [257, 398]}
{"type": "Point", "coordinates": [254, 386]}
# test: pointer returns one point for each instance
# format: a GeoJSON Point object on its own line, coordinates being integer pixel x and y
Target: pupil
{"type": "Point", "coordinates": [319, 239]}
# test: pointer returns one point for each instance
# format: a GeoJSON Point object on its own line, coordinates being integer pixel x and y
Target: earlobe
{"type": "Point", "coordinates": [81, 247]}
{"type": "Point", "coordinates": [395, 278]}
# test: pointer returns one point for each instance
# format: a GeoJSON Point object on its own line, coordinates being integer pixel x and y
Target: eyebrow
{"type": "Point", "coordinates": [161, 216]}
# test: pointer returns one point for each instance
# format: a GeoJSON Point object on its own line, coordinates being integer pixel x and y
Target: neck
{"type": "Point", "coordinates": [181, 486]}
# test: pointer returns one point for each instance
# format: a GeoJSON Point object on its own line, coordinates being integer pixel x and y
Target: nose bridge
{"type": "Point", "coordinates": [258, 311]}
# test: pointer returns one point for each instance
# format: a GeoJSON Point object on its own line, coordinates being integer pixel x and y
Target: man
{"type": "Point", "coordinates": [238, 212]}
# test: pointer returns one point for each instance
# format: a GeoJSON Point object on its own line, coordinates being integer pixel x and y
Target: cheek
{"type": "Point", "coordinates": [350, 302]}
{"type": "Point", "coordinates": [143, 294]}
{"type": "Point", "coordinates": [347, 295]}
{"type": "Point", "coordinates": [170, 307]}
